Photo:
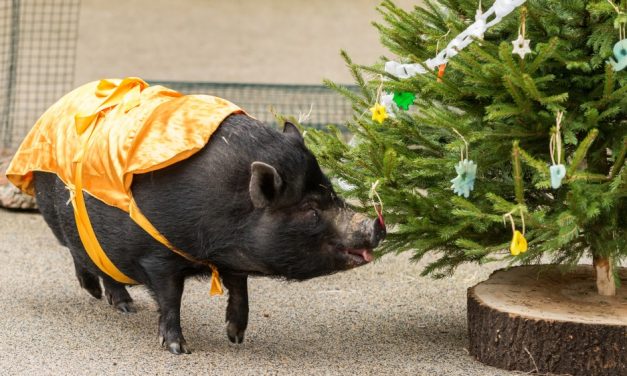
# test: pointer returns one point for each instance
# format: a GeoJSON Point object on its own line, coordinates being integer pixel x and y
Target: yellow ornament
{"type": "Point", "coordinates": [378, 113]}
{"type": "Point", "coordinates": [519, 243]}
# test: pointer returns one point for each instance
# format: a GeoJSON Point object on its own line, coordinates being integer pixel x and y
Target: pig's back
{"type": "Point", "coordinates": [211, 188]}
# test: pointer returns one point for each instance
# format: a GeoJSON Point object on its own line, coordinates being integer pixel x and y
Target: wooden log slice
{"type": "Point", "coordinates": [536, 319]}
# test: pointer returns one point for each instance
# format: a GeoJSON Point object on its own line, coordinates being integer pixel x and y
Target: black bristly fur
{"type": "Point", "coordinates": [203, 206]}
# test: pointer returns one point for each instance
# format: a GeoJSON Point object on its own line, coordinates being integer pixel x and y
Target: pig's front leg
{"type": "Point", "coordinates": [168, 291]}
{"type": "Point", "coordinates": [237, 309]}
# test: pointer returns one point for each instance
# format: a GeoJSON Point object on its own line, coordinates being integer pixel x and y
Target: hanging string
{"type": "Point", "coordinates": [437, 43]}
{"type": "Point", "coordinates": [302, 117]}
{"type": "Point", "coordinates": [555, 145]}
{"type": "Point", "coordinates": [465, 142]}
{"type": "Point", "coordinates": [378, 206]}
{"type": "Point", "coordinates": [511, 219]}
{"type": "Point", "coordinates": [523, 22]}
{"type": "Point", "coordinates": [616, 8]}
{"type": "Point", "coordinates": [621, 29]}
{"type": "Point", "coordinates": [379, 89]}
{"type": "Point", "coordinates": [70, 187]}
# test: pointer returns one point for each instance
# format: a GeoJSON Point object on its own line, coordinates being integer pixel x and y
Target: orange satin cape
{"type": "Point", "coordinates": [98, 136]}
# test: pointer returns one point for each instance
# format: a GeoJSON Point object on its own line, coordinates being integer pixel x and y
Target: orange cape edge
{"type": "Point", "coordinates": [106, 110]}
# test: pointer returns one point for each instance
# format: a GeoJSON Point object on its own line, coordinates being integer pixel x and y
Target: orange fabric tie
{"type": "Point", "coordinates": [83, 224]}
{"type": "Point", "coordinates": [127, 93]}
{"type": "Point", "coordinates": [87, 235]}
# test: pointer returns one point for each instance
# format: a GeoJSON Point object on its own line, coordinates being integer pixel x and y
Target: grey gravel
{"type": "Point", "coordinates": [379, 319]}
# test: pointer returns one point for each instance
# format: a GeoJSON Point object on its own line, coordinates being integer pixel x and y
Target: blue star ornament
{"type": "Point", "coordinates": [465, 180]}
{"type": "Point", "coordinates": [620, 53]}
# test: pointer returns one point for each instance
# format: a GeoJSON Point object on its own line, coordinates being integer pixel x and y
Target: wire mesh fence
{"type": "Point", "coordinates": [37, 57]}
{"type": "Point", "coordinates": [262, 101]}
{"type": "Point", "coordinates": [38, 41]}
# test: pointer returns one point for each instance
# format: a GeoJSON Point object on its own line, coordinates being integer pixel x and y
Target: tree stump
{"type": "Point", "coordinates": [534, 318]}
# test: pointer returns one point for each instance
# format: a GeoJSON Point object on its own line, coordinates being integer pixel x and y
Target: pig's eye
{"type": "Point", "coordinates": [314, 215]}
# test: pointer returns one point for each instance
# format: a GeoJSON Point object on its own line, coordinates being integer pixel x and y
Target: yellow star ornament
{"type": "Point", "coordinates": [378, 113]}
{"type": "Point", "coordinates": [519, 244]}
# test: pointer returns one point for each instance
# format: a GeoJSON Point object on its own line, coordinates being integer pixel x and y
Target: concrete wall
{"type": "Point", "coordinates": [264, 41]}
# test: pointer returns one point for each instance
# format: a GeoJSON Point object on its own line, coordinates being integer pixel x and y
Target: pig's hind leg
{"type": "Point", "coordinates": [52, 199]}
{"type": "Point", "coordinates": [117, 296]}
{"type": "Point", "coordinates": [237, 309]}
{"type": "Point", "coordinates": [88, 280]}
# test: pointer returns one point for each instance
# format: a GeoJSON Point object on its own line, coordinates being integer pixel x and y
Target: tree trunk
{"type": "Point", "coordinates": [536, 319]}
{"type": "Point", "coordinates": [605, 276]}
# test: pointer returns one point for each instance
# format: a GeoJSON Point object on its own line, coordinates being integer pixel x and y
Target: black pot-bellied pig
{"type": "Point", "coordinates": [253, 201]}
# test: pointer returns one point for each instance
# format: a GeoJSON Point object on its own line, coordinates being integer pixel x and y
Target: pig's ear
{"type": "Point", "coordinates": [290, 130]}
{"type": "Point", "coordinates": [265, 184]}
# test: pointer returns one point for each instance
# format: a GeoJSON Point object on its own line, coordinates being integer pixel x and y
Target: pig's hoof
{"type": "Point", "coordinates": [90, 283]}
{"type": "Point", "coordinates": [175, 347]}
{"type": "Point", "coordinates": [123, 303]}
{"type": "Point", "coordinates": [178, 348]}
{"type": "Point", "coordinates": [126, 307]}
{"type": "Point", "coordinates": [235, 335]}
{"type": "Point", "coordinates": [96, 292]}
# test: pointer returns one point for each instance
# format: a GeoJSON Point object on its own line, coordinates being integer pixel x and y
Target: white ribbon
{"type": "Point", "coordinates": [499, 9]}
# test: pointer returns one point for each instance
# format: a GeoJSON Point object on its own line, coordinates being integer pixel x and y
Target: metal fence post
{"type": "Point", "coordinates": [9, 94]}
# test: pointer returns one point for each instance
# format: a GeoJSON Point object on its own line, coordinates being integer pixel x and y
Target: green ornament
{"type": "Point", "coordinates": [404, 99]}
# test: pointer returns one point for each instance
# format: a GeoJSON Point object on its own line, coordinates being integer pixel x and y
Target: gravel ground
{"type": "Point", "coordinates": [380, 319]}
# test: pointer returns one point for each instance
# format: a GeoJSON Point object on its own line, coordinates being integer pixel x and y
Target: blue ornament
{"type": "Point", "coordinates": [465, 180]}
{"type": "Point", "coordinates": [557, 174]}
{"type": "Point", "coordinates": [620, 53]}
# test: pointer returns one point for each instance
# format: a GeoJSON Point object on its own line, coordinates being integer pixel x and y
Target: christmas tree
{"type": "Point", "coordinates": [513, 147]}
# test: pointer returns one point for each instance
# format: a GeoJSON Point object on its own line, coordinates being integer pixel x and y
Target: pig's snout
{"type": "Point", "coordinates": [378, 231]}
{"type": "Point", "coordinates": [359, 236]}
{"type": "Point", "coordinates": [366, 232]}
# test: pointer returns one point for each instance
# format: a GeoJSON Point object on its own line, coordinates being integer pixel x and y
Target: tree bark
{"type": "Point", "coordinates": [534, 318]}
{"type": "Point", "coordinates": [605, 276]}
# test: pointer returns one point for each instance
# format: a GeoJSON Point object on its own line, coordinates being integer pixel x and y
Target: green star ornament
{"type": "Point", "coordinates": [404, 99]}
